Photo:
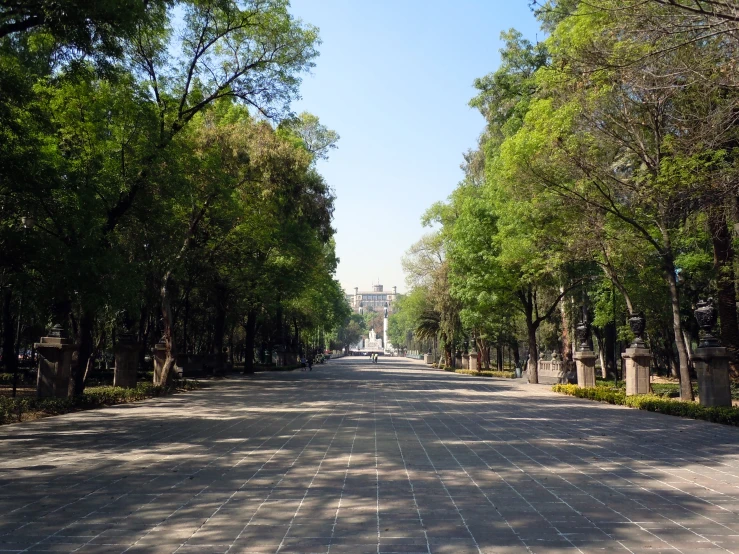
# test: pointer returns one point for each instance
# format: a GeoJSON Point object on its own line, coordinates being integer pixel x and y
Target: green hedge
{"type": "Point", "coordinates": [273, 367]}
{"type": "Point", "coordinates": [654, 403]}
{"type": "Point", "coordinates": [24, 377]}
{"type": "Point", "coordinates": [13, 409]}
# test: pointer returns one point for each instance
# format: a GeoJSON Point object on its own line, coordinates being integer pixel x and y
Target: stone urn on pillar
{"type": "Point", "coordinates": [54, 364]}
{"type": "Point", "coordinates": [637, 358]}
{"type": "Point", "coordinates": [465, 357]}
{"type": "Point", "coordinates": [126, 359]}
{"type": "Point", "coordinates": [711, 360]}
{"type": "Point", "coordinates": [458, 360]}
{"type": "Point", "coordinates": [474, 357]}
{"type": "Point", "coordinates": [584, 357]}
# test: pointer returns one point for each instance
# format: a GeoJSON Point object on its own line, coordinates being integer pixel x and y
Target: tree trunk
{"type": "Point", "coordinates": [231, 348]}
{"type": "Point", "coordinates": [723, 263]}
{"type": "Point", "coordinates": [448, 354]}
{"type": "Point", "coordinates": [527, 300]}
{"type": "Point", "coordinates": [219, 327]}
{"type": "Point", "coordinates": [566, 327]}
{"type": "Point", "coordinates": [499, 356]}
{"type": "Point", "coordinates": [9, 359]}
{"type": "Point", "coordinates": [84, 352]}
{"type": "Point", "coordinates": [144, 331]}
{"type": "Point", "coordinates": [483, 349]}
{"type": "Point", "coordinates": [609, 344]}
{"type": "Point", "coordinates": [91, 361]}
{"type": "Point", "coordinates": [670, 364]}
{"type": "Point", "coordinates": [688, 339]}
{"type": "Point", "coordinates": [516, 354]}
{"type": "Point", "coordinates": [600, 339]}
{"type": "Point", "coordinates": [185, 322]}
{"type": "Point", "coordinates": [533, 365]}
{"type": "Point", "coordinates": [686, 389]}
{"type": "Point", "coordinates": [167, 331]}
{"type": "Point", "coordinates": [250, 333]}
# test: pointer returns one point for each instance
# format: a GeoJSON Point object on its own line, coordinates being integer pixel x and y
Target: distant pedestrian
{"type": "Point", "coordinates": [310, 364]}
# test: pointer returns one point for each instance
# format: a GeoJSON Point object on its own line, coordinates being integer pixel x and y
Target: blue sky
{"type": "Point", "coordinates": [394, 80]}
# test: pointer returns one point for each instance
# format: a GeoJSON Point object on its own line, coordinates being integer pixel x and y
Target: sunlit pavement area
{"type": "Point", "coordinates": [355, 457]}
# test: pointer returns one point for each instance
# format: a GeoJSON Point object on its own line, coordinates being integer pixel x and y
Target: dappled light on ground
{"type": "Point", "coordinates": [352, 458]}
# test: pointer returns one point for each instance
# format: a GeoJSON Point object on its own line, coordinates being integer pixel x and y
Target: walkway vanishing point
{"type": "Point", "coordinates": [355, 458]}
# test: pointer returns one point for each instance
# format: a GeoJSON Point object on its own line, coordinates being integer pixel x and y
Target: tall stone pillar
{"type": "Point", "coordinates": [54, 364]}
{"type": "Point", "coordinates": [126, 361]}
{"type": "Point", "coordinates": [384, 331]}
{"type": "Point", "coordinates": [160, 357]}
{"type": "Point", "coordinates": [585, 364]}
{"type": "Point", "coordinates": [714, 385]}
{"type": "Point", "coordinates": [473, 362]}
{"type": "Point", "coordinates": [636, 362]}
{"type": "Point", "coordinates": [637, 358]}
{"type": "Point", "coordinates": [465, 360]}
{"type": "Point", "coordinates": [711, 360]}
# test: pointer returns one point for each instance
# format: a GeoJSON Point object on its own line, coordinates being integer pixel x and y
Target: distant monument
{"type": "Point", "coordinates": [373, 344]}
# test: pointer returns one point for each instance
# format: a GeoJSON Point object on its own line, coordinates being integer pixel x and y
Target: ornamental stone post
{"type": "Point", "coordinates": [585, 364]}
{"type": "Point", "coordinates": [585, 357]}
{"type": "Point", "coordinates": [465, 360]}
{"type": "Point", "coordinates": [127, 361]}
{"type": "Point", "coordinates": [474, 366]}
{"type": "Point", "coordinates": [637, 358]}
{"type": "Point", "coordinates": [160, 357]}
{"type": "Point", "coordinates": [54, 364]}
{"type": "Point", "coordinates": [711, 360]}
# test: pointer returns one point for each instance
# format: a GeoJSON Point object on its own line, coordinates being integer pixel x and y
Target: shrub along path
{"type": "Point", "coordinates": [24, 407]}
{"type": "Point", "coordinates": [359, 457]}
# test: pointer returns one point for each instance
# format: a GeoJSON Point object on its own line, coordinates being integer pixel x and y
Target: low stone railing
{"type": "Point", "coordinates": [555, 371]}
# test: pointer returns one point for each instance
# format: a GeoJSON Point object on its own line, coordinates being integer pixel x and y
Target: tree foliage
{"type": "Point", "coordinates": [607, 165]}
{"type": "Point", "coordinates": [171, 187]}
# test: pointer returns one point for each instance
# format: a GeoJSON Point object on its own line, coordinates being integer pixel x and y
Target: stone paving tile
{"type": "Point", "coordinates": [355, 457]}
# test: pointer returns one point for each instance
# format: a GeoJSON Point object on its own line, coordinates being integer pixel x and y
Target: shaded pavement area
{"type": "Point", "coordinates": [355, 457]}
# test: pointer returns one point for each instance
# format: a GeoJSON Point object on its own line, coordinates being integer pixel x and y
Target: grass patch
{"type": "Point", "coordinates": [653, 403]}
{"type": "Point", "coordinates": [19, 409]}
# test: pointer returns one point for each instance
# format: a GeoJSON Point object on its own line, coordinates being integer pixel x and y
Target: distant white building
{"type": "Point", "coordinates": [372, 301]}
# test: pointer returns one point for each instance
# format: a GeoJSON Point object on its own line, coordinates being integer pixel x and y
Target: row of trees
{"type": "Point", "coordinates": [153, 177]}
{"type": "Point", "coordinates": [606, 177]}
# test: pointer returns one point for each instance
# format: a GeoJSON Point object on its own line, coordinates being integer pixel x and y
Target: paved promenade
{"type": "Point", "coordinates": [355, 458]}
